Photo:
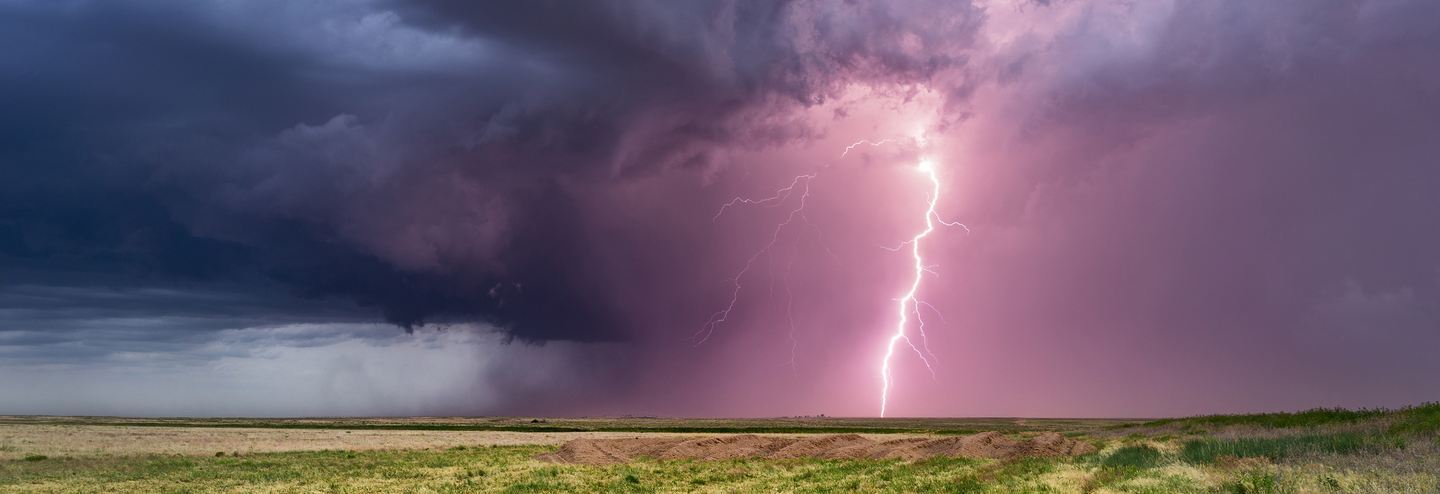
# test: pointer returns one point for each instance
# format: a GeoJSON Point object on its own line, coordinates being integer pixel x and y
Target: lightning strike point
{"type": "Point", "coordinates": [906, 305]}
{"type": "Point", "coordinates": [909, 303]}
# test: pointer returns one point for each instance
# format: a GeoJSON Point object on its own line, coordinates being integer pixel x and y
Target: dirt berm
{"type": "Point", "coordinates": [836, 447]}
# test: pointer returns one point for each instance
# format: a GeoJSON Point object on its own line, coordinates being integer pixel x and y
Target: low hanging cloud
{"type": "Point", "coordinates": [295, 370]}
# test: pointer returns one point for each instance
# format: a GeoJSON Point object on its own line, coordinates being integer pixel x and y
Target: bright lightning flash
{"type": "Point", "coordinates": [909, 303]}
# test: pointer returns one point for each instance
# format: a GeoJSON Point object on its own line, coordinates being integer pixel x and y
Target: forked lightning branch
{"type": "Point", "coordinates": [906, 305]}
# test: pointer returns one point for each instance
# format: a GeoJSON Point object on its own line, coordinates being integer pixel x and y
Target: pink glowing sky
{"type": "Point", "coordinates": [1169, 208]}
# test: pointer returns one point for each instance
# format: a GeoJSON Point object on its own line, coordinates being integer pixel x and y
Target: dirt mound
{"type": "Point", "coordinates": [1050, 444]}
{"type": "Point", "coordinates": [585, 452]}
{"type": "Point", "coordinates": [652, 447]}
{"type": "Point", "coordinates": [870, 449]}
{"type": "Point", "coordinates": [838, 446]}
{"type": "Point", "coordinates": [983, 445]}
{"type": "Point", "coordinates": [725, 448]}
{"type": "Point", "coordinates": [816, 447]}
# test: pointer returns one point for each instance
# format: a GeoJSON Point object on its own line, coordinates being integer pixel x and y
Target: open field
{"type": "Point", "coordinates": [58, 436]}
{"type": "Point", "coordinates": [805, 425]}
{"type": "Point", "coordinates": [1367, 451]}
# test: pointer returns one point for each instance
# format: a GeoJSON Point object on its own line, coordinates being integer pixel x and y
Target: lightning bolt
{"type": "Point", "coordinates": [906, 305]}
{"type": "Point", "coordinates": [909, 303]}
{"type": "Point", "coordinates": [852, 146]}
{"type": "Point", "coordinates": [780, 197]}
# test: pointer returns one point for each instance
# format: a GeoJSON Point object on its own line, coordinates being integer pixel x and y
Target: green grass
{"type": "Point", "coordinates": [1207, 450]}
{"type": "Point", "coordinates": [1411, 420]}
{"type": "Point", "coordinates": [1415, 420]}
{"type": "Point", "coordinates": [1143, 456]}
{"type": "Point", "coordinates": [1137, 463]}
{"type": "Point", "coordinates": [277, 468]}
{"type": "Point", "coordinates": [510, 469]}
{"type": "Point", "coordinates": [1251, 483]}
{"type": "Point", "coordinates": [1307, 418]}
{"type": "Point", "coordinates": [1121, 467]}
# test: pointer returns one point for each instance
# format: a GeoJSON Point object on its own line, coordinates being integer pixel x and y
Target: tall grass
{"type": "Point", "coordinates": [1252, 483]}
{"type": "Point", "coordinates": [1275, 448]}
{"type": "Point", "coordinates": [1410, 420]}
{"type": "Point", "coordinates": [1143, 456]}
{"type": "Point", "coordinates": [1307, 418]}
{"type": "Point", "coordinates": [1421, 419]}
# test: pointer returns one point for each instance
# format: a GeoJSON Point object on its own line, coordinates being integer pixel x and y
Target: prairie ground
{"type": "Point", "coordinates": [1366, 451]}
{"type": "Point", "coordinates": [81, 436]}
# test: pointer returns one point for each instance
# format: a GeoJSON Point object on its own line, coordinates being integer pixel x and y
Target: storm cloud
{"type": "Point", "coordinates": [422, 167]}
{"type": "Point", "coordinates": [1233, 199]}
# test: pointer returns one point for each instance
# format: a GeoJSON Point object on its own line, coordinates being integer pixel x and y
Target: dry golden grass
{"type": "Point", "coordinates": [19, 441]}
{"type": "Point", "coordinates": [22, 436]}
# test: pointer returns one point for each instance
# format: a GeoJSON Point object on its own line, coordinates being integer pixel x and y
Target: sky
{"type": "Point", "coordinates": [711, 208]}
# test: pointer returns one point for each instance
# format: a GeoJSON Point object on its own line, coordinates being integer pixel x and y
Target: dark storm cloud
{"type": "Point", "coordinates": [1240, 195]}
{"type": "Point", "coordinates": [416, 157]}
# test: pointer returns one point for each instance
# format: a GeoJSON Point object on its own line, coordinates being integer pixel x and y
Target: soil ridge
{"type": "Point", "coordinates": [834, 446]}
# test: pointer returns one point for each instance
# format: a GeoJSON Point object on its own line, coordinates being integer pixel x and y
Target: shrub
{"type": "Point", "coordinates": [1417, 419]}
{"type": "Point", "coordinates": [36, 458]}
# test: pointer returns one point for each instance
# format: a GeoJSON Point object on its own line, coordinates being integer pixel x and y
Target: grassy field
{"type": "Point", "coordinates": [1374, 451]}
